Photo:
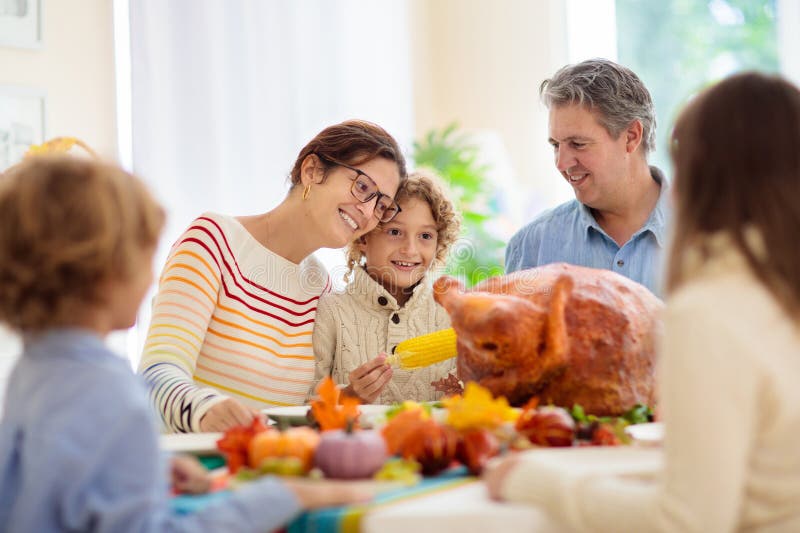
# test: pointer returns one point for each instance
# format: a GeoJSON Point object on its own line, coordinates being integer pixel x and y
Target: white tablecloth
{"type": "Point", "coordinates": [462, 509]}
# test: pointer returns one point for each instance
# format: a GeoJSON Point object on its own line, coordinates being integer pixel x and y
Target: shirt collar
{"type": "Point", "coordinates": [76, 343]}
{"type": "Point", "coordinates": [657, 221]}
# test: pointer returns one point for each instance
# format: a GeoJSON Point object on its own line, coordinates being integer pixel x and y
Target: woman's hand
{"type": "Point", "coordinates": [227, 414]}
{"type": "Point", "coordinates": [188, 475]}
{"type": "Point", "coordinates": [496, 473]}
{"type": "Point", "coordinates": [368, 380]}
{"type": "Point", "coordinates": [312, 494]}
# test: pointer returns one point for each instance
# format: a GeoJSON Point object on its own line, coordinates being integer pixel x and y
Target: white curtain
{"type": "Point", "coordinates": [226, 92]}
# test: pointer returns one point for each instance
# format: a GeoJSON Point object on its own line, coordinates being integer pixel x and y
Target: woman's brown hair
{"type": "Point", "coordinates": [736, 153]}
{"type": "Point", "coordinates": [67, 225]}
{"type": "Point", "coordinates": [352, 142]}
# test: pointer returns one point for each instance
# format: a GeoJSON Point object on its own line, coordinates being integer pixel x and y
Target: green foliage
{"type": "Point", "coordinates": [638, 414]}
{"type": "Point", "coordinates": [678, 47]}
{"type": "Point", "coordinates": [478, 254]}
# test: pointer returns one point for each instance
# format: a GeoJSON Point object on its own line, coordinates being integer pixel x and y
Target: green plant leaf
{"type": "Point", "coordinates": [450, 154]}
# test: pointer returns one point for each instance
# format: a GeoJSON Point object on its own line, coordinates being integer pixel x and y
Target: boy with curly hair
{"type": "Point", "coordinates": [389, 299]}
{"type": "Point", "coordinates": [78, 442]}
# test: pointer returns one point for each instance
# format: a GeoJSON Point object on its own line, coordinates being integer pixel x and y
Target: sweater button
{"type": "Point", "coordinates": [620, 263]}
{"type": "Point", "coordinates": [382, 300]}
{"type": "Point", "coordinates": [395, 318]}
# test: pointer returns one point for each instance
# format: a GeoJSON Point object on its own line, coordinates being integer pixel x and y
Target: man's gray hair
{"type": "Point", "coordinates": [613, 90]}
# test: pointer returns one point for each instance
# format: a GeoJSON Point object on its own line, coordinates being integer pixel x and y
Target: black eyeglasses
{"type": "Point", "coordinates": [365, 189]}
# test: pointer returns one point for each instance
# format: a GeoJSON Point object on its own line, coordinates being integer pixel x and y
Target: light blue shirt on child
{"type": "Point", "coordinates": [79, 451]}
{"type": "Point", "coordinates": [570, 234]}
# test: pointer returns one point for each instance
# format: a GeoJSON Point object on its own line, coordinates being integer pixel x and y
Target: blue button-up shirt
{"type": "Point", "coordinates": [79, 451]}
{"type": "Point", "coordinates": [569, 233]}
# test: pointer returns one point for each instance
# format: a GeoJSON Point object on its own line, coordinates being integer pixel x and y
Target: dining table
{"type": "Point", "coordinates": [465, 508]}
{"type": "Point", "coordinates": [451, 501]}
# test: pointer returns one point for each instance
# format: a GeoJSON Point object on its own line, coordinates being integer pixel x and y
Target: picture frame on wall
{"type": "Point", "coordinates": [21, 23]}
{"type": "Point", "coordinates": [22, 122]}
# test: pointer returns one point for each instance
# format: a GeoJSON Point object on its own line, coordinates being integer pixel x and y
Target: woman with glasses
{"type": "Point", "coordinates": [234, 314]}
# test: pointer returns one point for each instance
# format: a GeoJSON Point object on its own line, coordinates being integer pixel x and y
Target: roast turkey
{"type": "Point", "coordinates": [563, 333]}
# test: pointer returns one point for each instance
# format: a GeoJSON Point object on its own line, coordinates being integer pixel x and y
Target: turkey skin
{"type": "Point", "coordinates": [562, 333]}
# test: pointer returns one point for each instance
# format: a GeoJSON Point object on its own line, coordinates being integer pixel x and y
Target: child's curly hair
{"type": "Point", "coordinates": [423, 185]}
{"type": "Point", "coordinates": [66, 225]}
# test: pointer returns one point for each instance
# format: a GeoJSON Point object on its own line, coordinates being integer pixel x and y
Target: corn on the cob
{"type": "Point", "coordinates": [425, 350]}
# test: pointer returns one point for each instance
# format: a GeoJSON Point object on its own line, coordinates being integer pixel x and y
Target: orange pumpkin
{"type": "Point", "coordinates": [299, 442]}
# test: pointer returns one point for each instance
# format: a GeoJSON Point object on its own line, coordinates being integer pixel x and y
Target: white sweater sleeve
{"type": "Point", "coordinates": [708, 389]}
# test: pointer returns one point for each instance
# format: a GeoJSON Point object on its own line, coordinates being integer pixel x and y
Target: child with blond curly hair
{"type": "Point", "coordinates": [389, 299]}
{"type": "Point", "coordinates": [78, 442]}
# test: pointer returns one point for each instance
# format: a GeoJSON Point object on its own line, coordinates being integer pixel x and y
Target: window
{"type": "Point", "coordinates": [678, 47]}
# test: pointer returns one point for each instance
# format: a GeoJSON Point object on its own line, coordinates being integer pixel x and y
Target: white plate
{"type": "Point", "coordinates": [292, 415]}
{"type": "Point", "coordinates": [288, 410]}
{"type": "Point", "coordinates": [373, 409]}
{"type": "Point", "coordinates": [297, 415]}
{"type": "Point", "coordinates": [372, 415]}
{"type": "Point", "coordinates": [198, 443]}
{"type": "Point", "coordinates": [651, 434]}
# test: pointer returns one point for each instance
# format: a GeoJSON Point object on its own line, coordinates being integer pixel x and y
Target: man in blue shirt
{"type": "Point", "coordinates": [602, 127]}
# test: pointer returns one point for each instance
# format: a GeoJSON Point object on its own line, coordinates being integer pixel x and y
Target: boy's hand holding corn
{"type": "Point", "coordinates": [368, 380]}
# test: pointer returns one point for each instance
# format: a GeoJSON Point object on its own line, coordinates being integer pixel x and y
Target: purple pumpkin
{"type": "Point", "coordinates": [345, 454]}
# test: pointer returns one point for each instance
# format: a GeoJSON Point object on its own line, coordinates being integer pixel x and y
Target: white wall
{"type": "Point", "coordinates": [481, 63]}
{"type": "Point", "coordinates": [789, 38]}
{"type": "Point", "coordinates": [9, 350]}
{"type": "Point", "coordinates": [75, 66]}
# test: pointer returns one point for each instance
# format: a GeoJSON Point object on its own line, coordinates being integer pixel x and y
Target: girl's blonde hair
{"type": "Point", "coordinates": [422, 185]}
{"type": "Point", "coordinates": [66, 225]}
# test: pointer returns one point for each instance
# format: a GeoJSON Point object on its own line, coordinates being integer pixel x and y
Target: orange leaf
{"type": "Point", "coordinates": [235, 441]}
{"type": "Point", "coordinates": [331, 409]}
{"type": "Point", "coordinates": [532, 404]}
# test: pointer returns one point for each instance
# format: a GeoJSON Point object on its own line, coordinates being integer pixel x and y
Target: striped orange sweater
{"type": "Point", "coordinates": [231, 319]}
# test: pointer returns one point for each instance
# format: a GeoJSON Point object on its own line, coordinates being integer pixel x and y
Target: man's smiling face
{"type": "Point", "coordinates": [589, 158]}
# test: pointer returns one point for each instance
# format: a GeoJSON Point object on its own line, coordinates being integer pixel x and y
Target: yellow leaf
{"type": "Point", "coordinates": [58, 145]}
{"type": "Point", "coordinates": [478, 409]}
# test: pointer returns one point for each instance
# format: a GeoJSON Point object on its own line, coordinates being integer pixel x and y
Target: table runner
{"type": "Point", "coordinates": [345, 519]}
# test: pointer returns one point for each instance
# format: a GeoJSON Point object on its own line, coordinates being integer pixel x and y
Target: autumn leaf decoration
{"type": "Point", "coordinates": [235, 441]}
{"type": "Point", "coordinates": [58, 145]}
{"type": "Point", "coordinates": [332, 409]}
{"type": "Point", "coordinates": [478, 409]}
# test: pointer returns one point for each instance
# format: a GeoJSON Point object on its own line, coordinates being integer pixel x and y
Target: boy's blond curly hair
{"type": "Point", "coordinates": [423, 185]}
{"type": "Point", "coordinates": [67, 225]}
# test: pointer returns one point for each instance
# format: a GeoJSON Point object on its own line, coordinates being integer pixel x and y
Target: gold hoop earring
{"type": "Point", "coordinates": [306, 191]}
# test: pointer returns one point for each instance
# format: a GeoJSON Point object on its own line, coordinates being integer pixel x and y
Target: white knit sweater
{"type": "Point", "coordinates": [354, 326]}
